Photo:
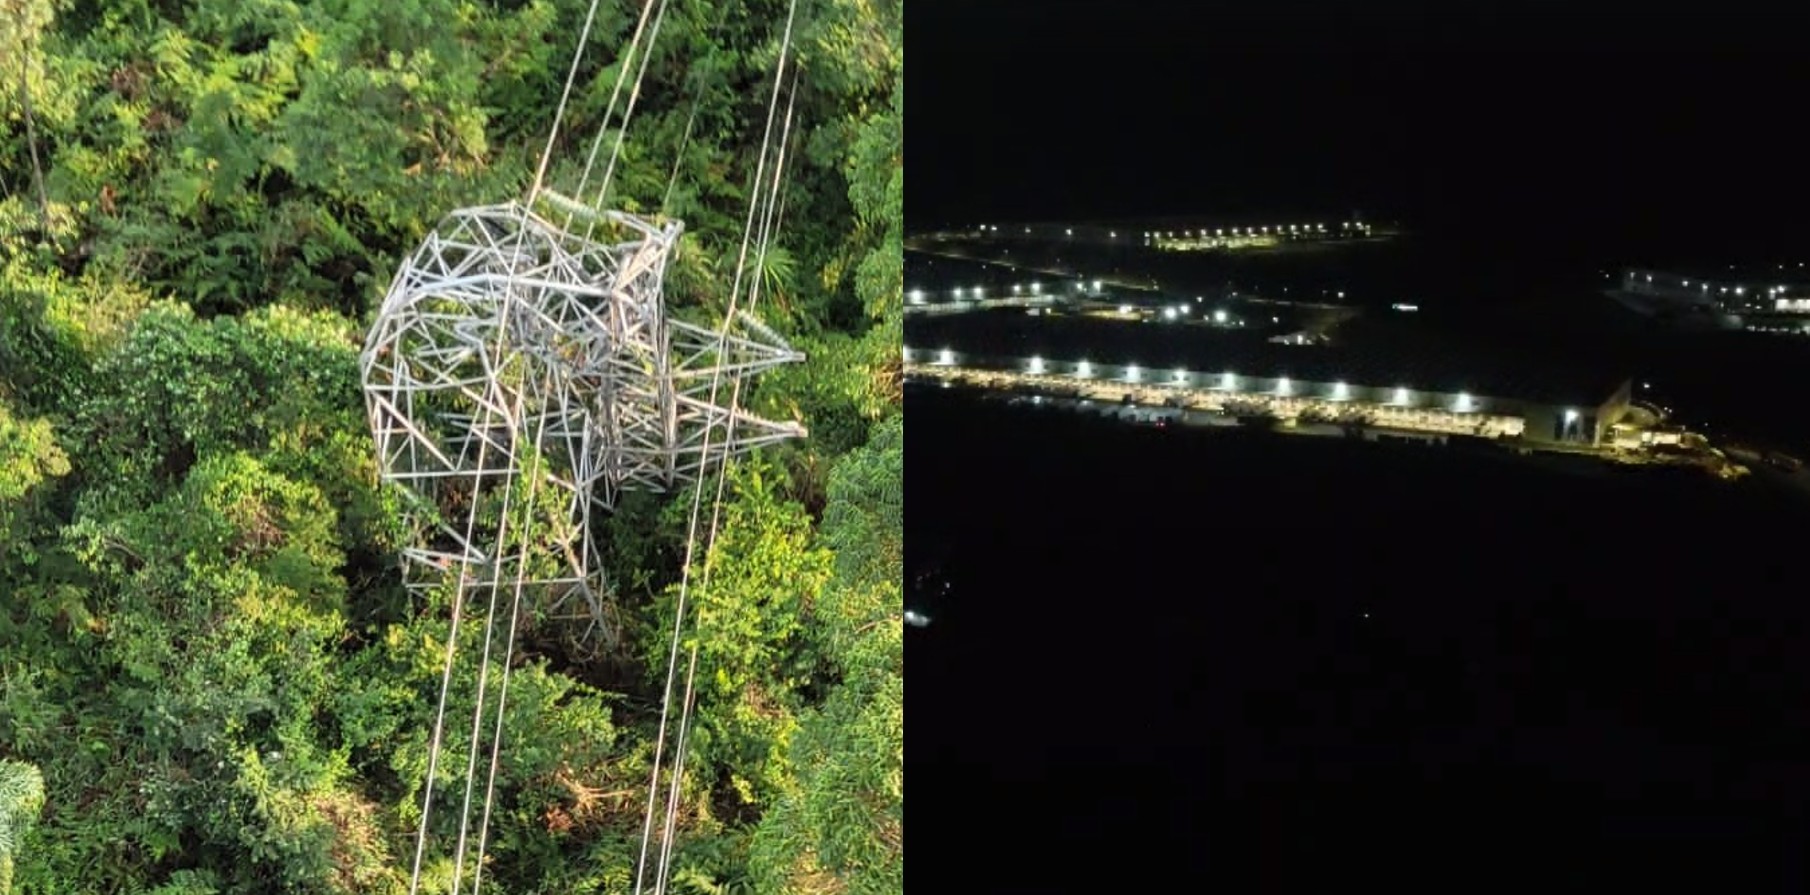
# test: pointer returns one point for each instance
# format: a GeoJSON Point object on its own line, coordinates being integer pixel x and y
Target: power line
{"type": "Point", "coordinates": [698, 492]}
{"type": "Point", "coordinates": [672, 808]}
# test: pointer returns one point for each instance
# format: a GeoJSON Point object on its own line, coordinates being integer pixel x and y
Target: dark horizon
{"type": "Point", "coordinates": [1613, 135]}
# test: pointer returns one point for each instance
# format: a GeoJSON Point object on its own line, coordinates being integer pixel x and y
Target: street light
{"type": "Point", "coordinates": [1036, 365]}
{"type": "Point", "coordinates": [1219, 316]}
{"type": "Point", "coordinates": [946, 358]}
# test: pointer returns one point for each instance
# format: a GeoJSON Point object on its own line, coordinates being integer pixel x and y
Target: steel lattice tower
{"type": "Point", "coordinates": [504, 329]}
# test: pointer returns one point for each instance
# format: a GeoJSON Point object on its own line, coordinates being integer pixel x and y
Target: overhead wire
{"type": "Point", "coordinates": [687, 701]}
{"type": "Point", "coordinates": [603, 126]}
{"type": "Point", "coordinates": [477, 713]}
{"type": "Point", "coordinates": [533, 485]}
{"type": "Point", "coordinates": [698, 491]}
{"type": "Point", "coordinates": [488, 404]}
{"type": "Point", "coordinates": [515, 612]}
{"type": "Point", "coordinates": [628, 112]}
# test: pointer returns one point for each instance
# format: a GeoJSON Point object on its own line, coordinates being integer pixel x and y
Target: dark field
{"type": "Point", "coordinates": [1298, 658]}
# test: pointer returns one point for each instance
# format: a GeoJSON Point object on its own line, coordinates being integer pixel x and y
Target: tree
{"type": "Point", "coordinates": [841, 827]}
{"type": "Point", "coordinates": [21, 798]}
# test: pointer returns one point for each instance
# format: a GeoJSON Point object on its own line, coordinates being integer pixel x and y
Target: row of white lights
{"type": "Point", "coordinates": [1248, 231]}
{"type": "Point", "coordinates": [1229, 382]}
{"type": "Point", "coordinates": [1738, 290]}
{"type": "Point", "coordinates": [1253, 231]}
{"type": "Point", "coordinates": [979, 292]}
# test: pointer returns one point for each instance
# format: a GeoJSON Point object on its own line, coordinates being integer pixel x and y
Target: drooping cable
{"type": "Point", "coordinates": [628, 112]}
{"type": "Point", "coordinates": [559, 114]}
{"type": "Point", "coordinates": [515, 612]}
{"type": "Point", "coordinates": [715, 517]}
{"type": "Point", "coordinates": [686, 703]}
{"type": "Point", "coordinates": [459, 575]}
{"type": "Point", "coordinates": [698, 491]}
{"type": "Point", "coordinates": [603, 127]}
{"type": "Point", "coordinates": [477, 712]}
{"type": "Point", "coordinates": [489, 404]}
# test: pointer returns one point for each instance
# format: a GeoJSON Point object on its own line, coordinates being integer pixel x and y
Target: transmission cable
{"type": "Point", "coordinates": [698, 491]}
{"type": "Point", "coordinates": [465, 552]}
{"type": "Point", "coordinates": [686, 703]}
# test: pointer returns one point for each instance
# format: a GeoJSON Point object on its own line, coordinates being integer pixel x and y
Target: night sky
{"type": "Point", "coordinates": [1105, 705]}
{"type": "Point", "coordinates": [1629, 132]}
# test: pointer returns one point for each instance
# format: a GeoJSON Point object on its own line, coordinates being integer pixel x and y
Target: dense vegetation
{"type": "Point", "coordinates": [211, 678]}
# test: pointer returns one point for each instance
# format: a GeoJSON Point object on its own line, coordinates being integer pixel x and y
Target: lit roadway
{"type": "Point", "coordinates": [1382, 416]}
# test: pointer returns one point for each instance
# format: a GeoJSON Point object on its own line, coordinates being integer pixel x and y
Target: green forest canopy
{"type": "Point", "coordinates": [211, 679]}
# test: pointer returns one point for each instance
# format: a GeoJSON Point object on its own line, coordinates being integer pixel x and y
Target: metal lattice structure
{"type": "Point", "coordinates": [505, 331]}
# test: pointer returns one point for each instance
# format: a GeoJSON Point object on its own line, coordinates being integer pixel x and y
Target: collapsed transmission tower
{"type": "Point", "coordinates": [506, 335]}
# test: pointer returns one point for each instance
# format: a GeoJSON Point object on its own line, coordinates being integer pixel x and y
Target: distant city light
{"type": "Point", "coordinates": [1113, 235]}
{"type": "Point", "coordinates": [1405, 307]}
{"type": "Point", "coordinates": [1131, 372]}
{"type": "Point", "coordinates": [958, 292]}
{"type": "Point", "coordinates": [1570, 416]}
{"type": "Point", "coordinates": [1124, 309]}
{"type": "Point", "coordinates": [1084, 369]}
{"type": "Point", "coordinates": [1180, 374]}
{"type": "Point", "coordinates": [1071, 232]}
{"type": "Point", "coordinates": [1036, 365]}
{"type": "Point", "coordinates": [947, 357]}
{"type": "Point", "coordinates": [917, 296]}
{"type": "Point", "coordinates": [1168, 313]}
{"type": "Point", "coordinates": [1341, 295]}
{"type": "Point", "coordinates": [1282, 386]}
{"type": "Point", "coordinates": [1096, 285]}
{"type": "Point", "coordinates": [1036, 288]}
{"type": "Point", "coordinates": [1229, 381]}
{"type": "Point", "coordinates": [1341, 391]}
{"type": "Point", "coordinates": [1015, 288]}
{"type": "Point", "coordinates": [1739, 290]}
{"type": "Point", "coordinates": [1219, 316]}
{"type": "Point", "coordinates": [1464, 401]}
{"type": "Point", "coordinates": [1401, 396]}
{"type": "Point", "coordinates": [977, 292]}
